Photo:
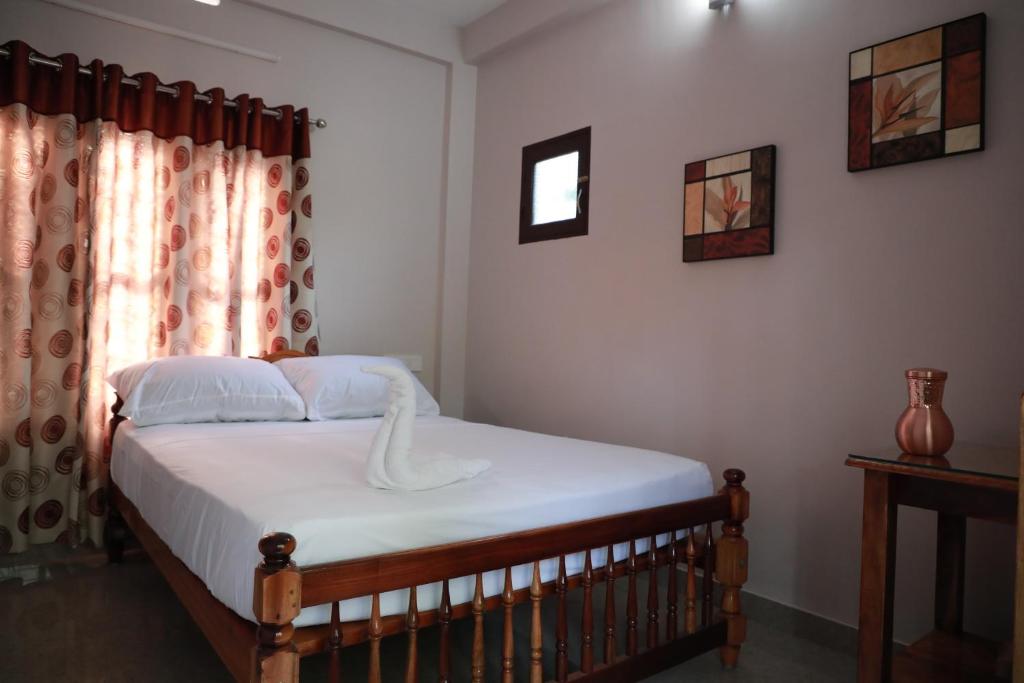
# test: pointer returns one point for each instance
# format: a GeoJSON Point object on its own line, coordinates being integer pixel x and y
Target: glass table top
{"type": "Point", "coordinates": [967, 458]}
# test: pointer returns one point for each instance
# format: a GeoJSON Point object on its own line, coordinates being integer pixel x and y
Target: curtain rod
{"type": "Point", "coordinates": [37, 59]}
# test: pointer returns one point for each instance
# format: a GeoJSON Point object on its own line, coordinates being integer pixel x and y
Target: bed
{"type": "Point", "coordinates": [273, 541]}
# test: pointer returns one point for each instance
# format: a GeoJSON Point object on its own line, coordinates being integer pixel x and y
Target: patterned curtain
{"type": "Point", "coordinates": [135, 224]}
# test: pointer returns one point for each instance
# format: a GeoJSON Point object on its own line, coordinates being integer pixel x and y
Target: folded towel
{"type": "Point", "coordinates": [391, 464]}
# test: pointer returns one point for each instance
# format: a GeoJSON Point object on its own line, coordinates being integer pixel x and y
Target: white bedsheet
{"type": "Point", "coordinates": [212, 490]}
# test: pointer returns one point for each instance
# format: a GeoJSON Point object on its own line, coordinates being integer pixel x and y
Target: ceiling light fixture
{"type": "Point", "coordinates": [215, 3]}
{"type": "Point", "coordinates": [712, 4]}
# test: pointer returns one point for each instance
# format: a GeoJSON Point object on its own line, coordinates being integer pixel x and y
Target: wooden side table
{"type": "Point", "coordinates": [971, 481]}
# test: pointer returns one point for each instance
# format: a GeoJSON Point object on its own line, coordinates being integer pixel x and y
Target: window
{"type": "Point", "coordinates": [554, 198]}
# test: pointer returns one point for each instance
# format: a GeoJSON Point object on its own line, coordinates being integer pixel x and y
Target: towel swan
{"type": "Point", "coordinates": [391, 464]}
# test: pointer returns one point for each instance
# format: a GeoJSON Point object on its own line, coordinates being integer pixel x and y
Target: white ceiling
{"type": "Point", "coordinates": [455, 12]}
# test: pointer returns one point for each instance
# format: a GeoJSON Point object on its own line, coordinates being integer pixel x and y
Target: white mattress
{"type": "Point", "coordinates": [212, 490]}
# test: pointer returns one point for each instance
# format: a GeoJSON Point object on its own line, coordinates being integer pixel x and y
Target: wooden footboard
{"type": "Point", "coordinates": [282, 589]}
{"type": "Point", "coordinates": [688, 626]}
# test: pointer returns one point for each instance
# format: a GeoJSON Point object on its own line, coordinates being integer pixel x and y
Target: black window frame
{"type": "Point", "coordinates": [576, 141]}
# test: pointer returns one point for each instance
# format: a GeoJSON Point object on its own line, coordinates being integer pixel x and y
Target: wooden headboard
{"type": "Point", "coordinates": [278, 355]}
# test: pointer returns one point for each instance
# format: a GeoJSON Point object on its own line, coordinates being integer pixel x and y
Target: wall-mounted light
{"type": "Point", "coordinates": [719, 4]}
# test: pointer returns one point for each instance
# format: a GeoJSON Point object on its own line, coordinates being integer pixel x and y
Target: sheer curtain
{"type": "Point", "coordinates": [136, 224]}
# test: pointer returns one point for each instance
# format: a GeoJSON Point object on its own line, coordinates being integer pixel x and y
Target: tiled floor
{"type": "Point", "coordinates": [67, 616]}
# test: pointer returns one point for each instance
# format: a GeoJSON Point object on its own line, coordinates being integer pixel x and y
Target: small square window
{"type": "Point", "coordinates": [554, 198]}
{"type": "Point", "coordinates": [555, 189]}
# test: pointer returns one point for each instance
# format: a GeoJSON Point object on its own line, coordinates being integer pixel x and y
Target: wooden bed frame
{"type": "Point", "coordinates": [269, 652]}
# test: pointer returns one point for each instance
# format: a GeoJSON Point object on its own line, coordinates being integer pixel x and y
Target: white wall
{"type": "Point", "coordinates": [779, 365]}
{"type": "Point", "coordinates": [380, 167]}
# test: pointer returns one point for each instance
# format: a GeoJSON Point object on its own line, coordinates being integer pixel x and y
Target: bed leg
{"type": "Point", "coordinates": [731, 565]}
{"type": "Point", "coordinates": [277, 599]}
{"type": "Point", "coordinates": [114, 533]}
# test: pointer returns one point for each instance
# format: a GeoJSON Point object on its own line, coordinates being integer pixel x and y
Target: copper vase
{"type": "Point", "coordinates": [924, 428]}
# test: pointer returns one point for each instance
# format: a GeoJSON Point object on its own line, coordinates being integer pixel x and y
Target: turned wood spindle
{"type": "Point", "coordinates": [277, 600]}
{"type": "Point", "coordinates": [631, 602]}
{"type": "Point", "coordinates": [709, 577]}
{"type": "Point", "coordinates": [477, 672]}
{"type": "Point", "coordinates": [334, 645]}
{"type": "Point", "coordinates": [508, 642]}
{"type": "Point", "coordinates": [690, 616]}
{"type": "Point", "coordinates": [587, 629]}
{"type": "Point", "coordinates": [609, 607]}
{"type": "Point", "coordinates": [412, 626]}
{"type": "Point", "coordinates": [731, 565]}
{"type": "Point", "coordinates": [562, 629]}
{"type": "Point", "coordinates": [536, 628]}
{"type": "Point", "coordinates": [445, 619]}
{"type": "Point", "coordinates": [652, 594]}
{"type": "Point", "coordinates": [376, 633]}
{"type": "Point", "coordinates": [671, 626]}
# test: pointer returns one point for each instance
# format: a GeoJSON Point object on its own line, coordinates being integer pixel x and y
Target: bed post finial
{"type": "Point", "coordinates": [731, 565]}
{"type": "Point", "coordinates": [277, 599]}
{"type": "Point", "coordinates": [115, 420]}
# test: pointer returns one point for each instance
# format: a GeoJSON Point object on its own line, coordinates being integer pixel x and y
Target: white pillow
{"type": "Point", "coordinates": [181, 389]}
{"type": "Point", "coordinates": [336, 387]}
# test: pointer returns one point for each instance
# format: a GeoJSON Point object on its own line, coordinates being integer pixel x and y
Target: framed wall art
{"type": "Point", "coordinates": [729, 206]}
{"type": "Point", "coordinates": [918, 97]}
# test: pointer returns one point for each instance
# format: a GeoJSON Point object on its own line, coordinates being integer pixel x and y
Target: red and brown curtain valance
{"type": "Point", "coordinates": [100, 94]}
